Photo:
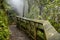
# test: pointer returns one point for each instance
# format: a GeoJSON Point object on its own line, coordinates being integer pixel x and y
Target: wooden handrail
{"type": "Point", "coordinates": [49, 30]}
{"type": "Point", "coordinates": [33, 20]}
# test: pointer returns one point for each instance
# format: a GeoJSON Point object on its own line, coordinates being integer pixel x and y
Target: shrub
{"type": "Point", "coordinates": [4, 31]}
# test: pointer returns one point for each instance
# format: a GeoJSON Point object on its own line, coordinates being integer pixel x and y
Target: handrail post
{"type": "Point", "coordinates": [35, 32]}
{"type": "Point", "coordinates": [50, 32]}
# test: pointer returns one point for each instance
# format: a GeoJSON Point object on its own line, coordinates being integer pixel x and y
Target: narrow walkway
{"type": "Point", "coordinates": [17, 34]}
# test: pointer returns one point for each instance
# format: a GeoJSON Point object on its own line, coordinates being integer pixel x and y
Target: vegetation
{"type": "Point", "coordinates": [45, 10]}
{"type": "Point", "coordinates": [4, 31]}
{"type": "Point", "coordinates": [10, 12]}
{"type": "Point", "coordinates": [37, 9]}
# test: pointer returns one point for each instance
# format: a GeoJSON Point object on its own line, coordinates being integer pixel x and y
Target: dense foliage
{"type": "Point", "coordinates": [38, 9]}
{"type": "Point", "coordinates": [4, 31]}
{"type": "Point", "coordinates": [45, 10]}
{"type": "Point", "coordinates": [10, 13]}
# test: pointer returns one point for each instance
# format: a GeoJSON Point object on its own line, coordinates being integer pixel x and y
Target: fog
{"type": "Point", "coordinates": [19, 6]}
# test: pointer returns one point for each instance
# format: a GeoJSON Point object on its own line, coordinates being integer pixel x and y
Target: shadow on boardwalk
{"type": "Point", "coordinates": [17, 34]}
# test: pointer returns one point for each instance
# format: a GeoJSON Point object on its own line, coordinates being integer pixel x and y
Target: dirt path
{"type": "Point", "coordinates": [17, 34]}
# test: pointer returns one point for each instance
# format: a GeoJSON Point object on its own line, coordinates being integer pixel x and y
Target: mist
{"type": "Point", "coordinates": [19, 6]}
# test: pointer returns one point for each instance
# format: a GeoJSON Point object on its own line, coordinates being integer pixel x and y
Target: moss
{"type": "Point", "coordinates": [55, 25]}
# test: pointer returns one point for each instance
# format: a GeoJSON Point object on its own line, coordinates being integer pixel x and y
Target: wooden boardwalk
{"type": "Point", "coordinates": [17, 34]}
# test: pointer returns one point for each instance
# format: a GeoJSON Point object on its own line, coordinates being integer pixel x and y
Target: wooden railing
{"type": "Point", "coordinates": [37, 29]}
